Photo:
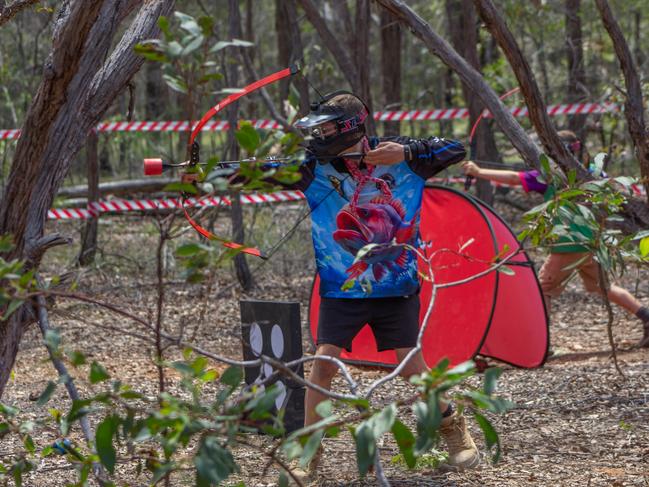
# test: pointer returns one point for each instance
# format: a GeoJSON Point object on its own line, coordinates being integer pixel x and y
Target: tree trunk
{"type": "Point", "coordinates": [577, 91]}
{"type": "Point", "coordinates": [154, 91]}
{"type": "Point", "coordinates": [362, 56]}
{"type": "Point", "coordinates": [634, 104]}
{"type": "Point", "coordinates": [89, 232]}
{"type": "Point", "coordinates": [81, 79]}
{"type": "Point", "coordinates": [332, 43]}
{"type": "Point", "coordinates": [290, 50]}
{"type": "Point", "coordinates": [391, 68]}
{"type": "Point", "coordinates": [240, 263]}
{"type": "Point", "coordinates": [442, 49]}
{"type": "Point", "coordinates": [463, 26]}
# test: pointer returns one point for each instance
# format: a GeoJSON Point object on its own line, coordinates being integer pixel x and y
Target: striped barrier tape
{"type": "Point", "coordinates": [386, 116]}
{"type": "Point", "coordinates": [121, 206]}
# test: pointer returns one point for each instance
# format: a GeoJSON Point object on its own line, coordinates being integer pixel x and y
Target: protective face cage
{"type": "Point", "coordinates": [346, 130]}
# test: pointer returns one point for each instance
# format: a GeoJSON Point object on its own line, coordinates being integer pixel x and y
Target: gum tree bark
{"type": "Point", "coordinates": [236, 214]}
{"type": "Point", "coordinates": [81, 78]}
{"type": "Point", "coordinates": [577, 91]}
{"type": "Point", "coordinates": [463, 26]}
{"type": "Point", "coordinates": [634, 104]}
{"type": "Point", "coordinates": [290, 50]}
{"type": "Point", "coordinates": [89, 232]}
{"type": "Point", "coordinates": [390, 68]}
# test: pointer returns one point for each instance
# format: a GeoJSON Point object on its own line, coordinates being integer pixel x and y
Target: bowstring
{"type": "Point", "coordinates": [273, 250]}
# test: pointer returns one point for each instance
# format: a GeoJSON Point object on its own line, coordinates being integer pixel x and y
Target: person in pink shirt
{"type": "Point", "coordinates": [560, 266]}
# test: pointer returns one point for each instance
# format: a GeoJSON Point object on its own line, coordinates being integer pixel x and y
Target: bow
{"type": "Point", "coordinates": [473, 144]}
{"type": "Point", "coordinates": [195, 158]}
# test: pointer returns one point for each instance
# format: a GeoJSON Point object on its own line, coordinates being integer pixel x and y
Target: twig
{"type": "Point", "coordinates": [272, 456]}
{"type": "Point", "coordinates": [66, 378]}
{"type": "Point", "coordinates": [603, 285]}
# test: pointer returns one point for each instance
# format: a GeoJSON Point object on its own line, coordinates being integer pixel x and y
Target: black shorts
{"type": "Point", "coordinates": [394, 321]}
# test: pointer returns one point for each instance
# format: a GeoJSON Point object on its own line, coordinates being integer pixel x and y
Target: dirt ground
{"type": "Point", "coordinates": [577, 421]}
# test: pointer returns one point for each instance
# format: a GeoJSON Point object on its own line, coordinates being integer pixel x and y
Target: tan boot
{"type": "Point", "coordinates": [310, 473]}
{"type": "Point", "coordinates": [644, 342]}
{"type": "Point", "coordinates": [462, 452]}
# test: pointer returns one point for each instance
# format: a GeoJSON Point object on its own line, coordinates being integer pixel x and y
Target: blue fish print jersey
{"type": "Point", "coordinates": [340, 230]}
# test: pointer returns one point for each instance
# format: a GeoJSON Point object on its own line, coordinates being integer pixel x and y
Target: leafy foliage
{"type": "Point", "coordinates": [587, 214]}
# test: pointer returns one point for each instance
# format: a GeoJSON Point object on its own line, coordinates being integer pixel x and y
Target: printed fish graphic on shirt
{"type": "Point", "coordinates": [380, 221]}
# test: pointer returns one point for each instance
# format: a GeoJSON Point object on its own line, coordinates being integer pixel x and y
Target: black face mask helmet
{"type": "Point", "coordinates": [349, 118]}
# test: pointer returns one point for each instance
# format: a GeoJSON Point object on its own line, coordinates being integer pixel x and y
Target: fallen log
{"type": "Point", "coordinates": [119, 188]}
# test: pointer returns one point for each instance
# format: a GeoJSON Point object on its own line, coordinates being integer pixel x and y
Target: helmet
{"type": "Point", "coordinates": [334, 124]}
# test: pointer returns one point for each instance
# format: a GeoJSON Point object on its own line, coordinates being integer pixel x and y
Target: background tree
{"type": "Point", "coordinates": [81, 79]}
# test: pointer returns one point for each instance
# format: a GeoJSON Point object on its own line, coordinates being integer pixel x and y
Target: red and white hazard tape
{"type": "Point", "coordinates": [122, 206]}
{"type": "Point", "coordinates": [405, 115]}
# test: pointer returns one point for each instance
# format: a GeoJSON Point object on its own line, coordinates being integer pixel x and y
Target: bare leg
{"type": "Point", "coordinates": [623, 298]}
{"type": "Point", "coordinates": [322, 374]}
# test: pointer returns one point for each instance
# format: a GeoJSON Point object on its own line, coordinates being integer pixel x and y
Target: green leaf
{"type": "Point", "coordinates": [188, 23]}
{"type": "Point", "coordinates": [104, 443]}
{"type": "Point", "coordinates": [626, 181]}
{"type": "Point", "coordinates": [213, 463]}
{"type": "Point", "coordinates": [311, 447]}
{"type": "Point", "coordinates": [28, 442]}
{"type": "Point", "coordinates": [7, 410]}
{"type": "Point", "coordinates": [324, 409]}
{"type": "Point", "coordinates": [546, 171]}
{"type": "Point", "coordinates": [508, 271]}
{"type": "Point", "coordinates": [232, 376]}
{"type": "Point", "coordinates": [383, 422]}
{"type": "Point", "coordinates": [97, 373]}
{"type": "Point", "coordinates": [173, 49]}
{"type": "Point", "coordinates": [233, 43]}
{"type": "Point", "coordinates": [193, 45]}
{"type": "Point", "coordinates": [490, 379]}
{"type": "Point", "coordinates": [490, 435]}
{"type": "Point", "coordinates": [13, 306]}
{"type": "Point", "coordinates": [181, 188]}
{"type": "Point", "coordinates": [207, 24]}
{"type": "Point", "coordinates": [77, 358]}
{"type": "Point", "coordinates": [405, 440]}
{"type": "Point", "coordinates": [53, 340]}
{"type": "Point", "coordinates": [365, 448]}
{"type": "Point", "coordinates": [163, 23]}
{"type": "Point", "coordinates": [175, 83]}
{"type": "Point", "coordinates": [644, 247]}
{"type": "Point", "coordinates": [248, 137]}
{"type": "Point", "coordinates": [46, 394]}
{"type": "Point", "coordinates": [150, 53]}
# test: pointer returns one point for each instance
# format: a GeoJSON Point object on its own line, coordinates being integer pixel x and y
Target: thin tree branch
{"type": "Point", "coordinates": [8, 12]}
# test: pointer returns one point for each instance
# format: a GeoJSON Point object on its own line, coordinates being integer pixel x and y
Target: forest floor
{"type": "Point", "coordinates": [576, 421]}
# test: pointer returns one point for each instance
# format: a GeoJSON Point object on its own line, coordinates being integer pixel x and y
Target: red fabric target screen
{"type": "Point", "coordinates": [497, 315]}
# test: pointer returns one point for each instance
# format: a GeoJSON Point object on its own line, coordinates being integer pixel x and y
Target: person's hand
{"type": "Point", "coordinates": [385, 154]}
{"type": "Point", "coordinates": [470, 168]}
{"type": "Point", "coordinates": [189, 178]}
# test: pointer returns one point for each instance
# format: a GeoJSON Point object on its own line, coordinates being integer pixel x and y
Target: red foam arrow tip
{"type": "Point", "coordinates": [152, 167]}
